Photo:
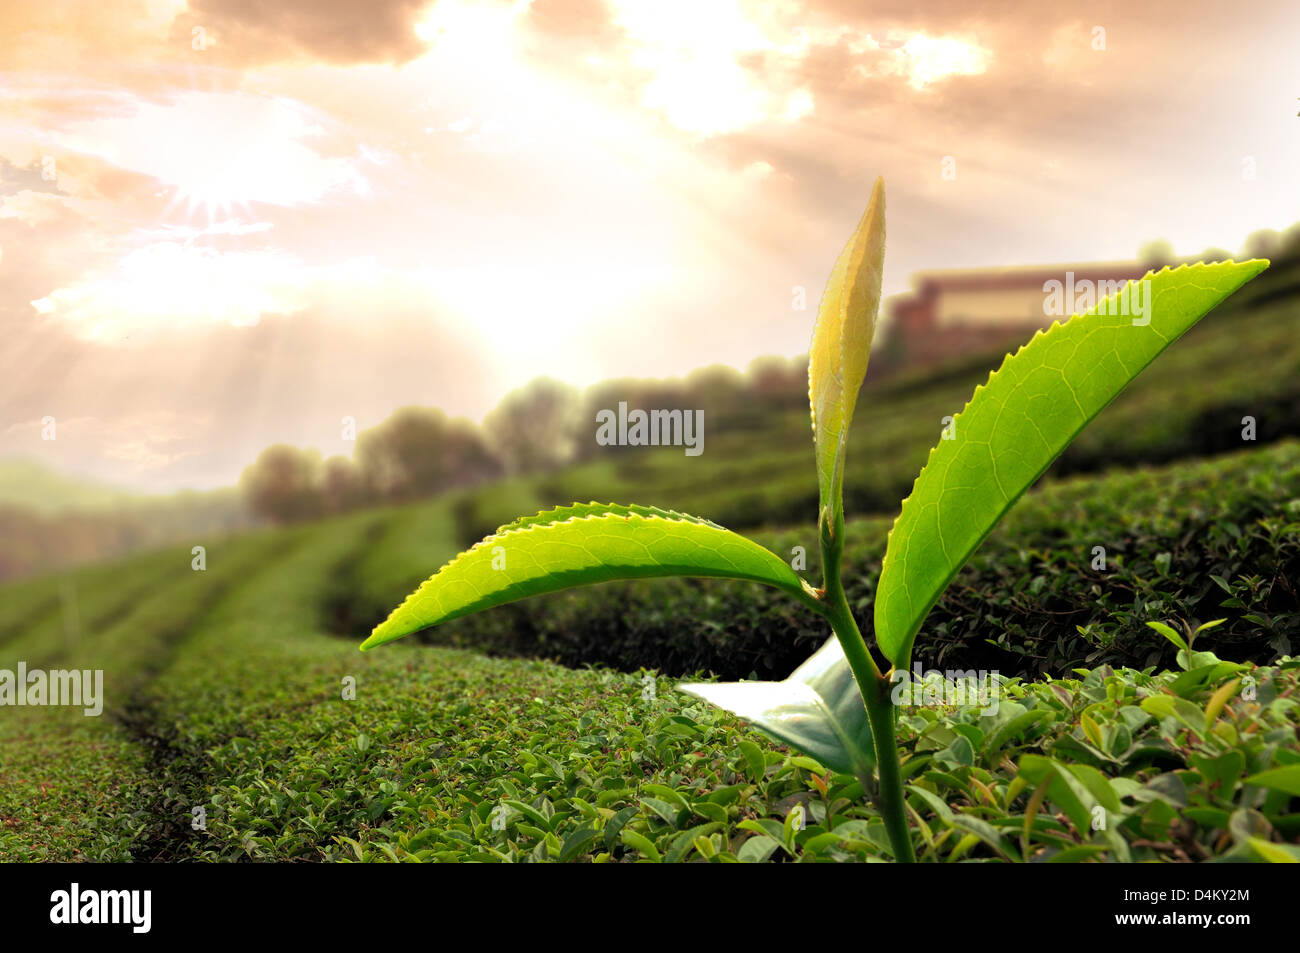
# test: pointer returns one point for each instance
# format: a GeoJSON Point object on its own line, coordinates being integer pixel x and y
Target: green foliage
{"type": "Point", "coordinates": [83, 531]}
{"type": "Point", "coordinates": [535, 428]}
{"type": "Point", "coordinates": [78, 788]}
{"type": "Point", "coordinates": [282, 484]}
{"type": "Point", "coordinates": [587, 767]}
{"type": "Point", "coordinates": [28, 484]}
{"type": "Point", "coordinates": [1016, 425]}
{"type": "Point", "coordinates": [419, 452]}
{"type": "Point", "coordinates": [1028, 602]}
{"type": "Point", "coordinates": [579, 545]}
{"type": "Point", "coordinates": [620, 767]}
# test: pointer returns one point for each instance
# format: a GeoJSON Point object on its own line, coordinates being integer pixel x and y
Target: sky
{"type": "Point", "coordinates": [227, 223]}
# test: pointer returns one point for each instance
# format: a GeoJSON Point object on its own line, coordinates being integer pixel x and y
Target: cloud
{"type": "Point", "coordinates": [31, 207]}
{"type": "Point", "coordinates": [925, 60]}
{"type": "Point", "coordinates": [583, 21]}
{"type": "Point", "coordinates": [136, 446]}
{"type": "Point", "coordinates": [218, 149]}
{"type": "Point", "coordinates": [341, 32]}
{"type": "Point", "coordinates": [35, 177]}
{"type": "Point", "coordinates": [56, 35]}
{"type": "Point", "coordinates": [731, 66]}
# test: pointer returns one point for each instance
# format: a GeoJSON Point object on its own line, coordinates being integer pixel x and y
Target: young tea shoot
{"type": "Point", "coordinates": [837, 706]}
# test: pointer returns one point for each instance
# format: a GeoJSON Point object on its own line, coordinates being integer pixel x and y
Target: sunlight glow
{"type": "Point", "coordinates": [220, 151]}
{"type": "Point", "coordinates": [930, 58]}
{"type": "Point", "coordinates": [170, 285]}
{"type": "Point", "coordinates": [691, 51]}
{"type": "Point", "coordinates": [470, 27]}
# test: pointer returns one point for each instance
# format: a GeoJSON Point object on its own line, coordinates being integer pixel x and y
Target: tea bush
{"type": "Point", "coordinates": [1195, 541]}
{"type": "Point", "coordinates": [225, 692]}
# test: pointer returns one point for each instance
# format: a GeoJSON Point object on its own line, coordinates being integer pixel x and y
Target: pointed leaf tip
{"type": "Point", "coordinates": [841, 346]}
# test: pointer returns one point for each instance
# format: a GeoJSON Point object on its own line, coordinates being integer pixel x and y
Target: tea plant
{"type": "Point", "coordinates": [837, 707]}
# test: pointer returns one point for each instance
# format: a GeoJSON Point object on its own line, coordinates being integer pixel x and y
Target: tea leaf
{"type": "Point", "coordinates": [1168, 632]}
{"type": "Point", "coordinates": [1218, 700]}
{"type": "Point", "coordinates": [1286, 780]}
{"type": "Point", "coordinates": [1064, 790]}
{"type": "Point", "coordinates": [841, 345]}
{"type": "Point", "coordinates": [579, 545]}
{"type": "Point", "coordinates": [817, 710]}
{"type": "Point", "coordinates": [1016, 424]}
{"type": "Point", "coordinates": [1274, 853]}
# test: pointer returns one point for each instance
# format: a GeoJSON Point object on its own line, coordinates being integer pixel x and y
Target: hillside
{"type": "Point", "coordinates": [28, 484]}
{"type": "Point", "coordinates": [226, 689]}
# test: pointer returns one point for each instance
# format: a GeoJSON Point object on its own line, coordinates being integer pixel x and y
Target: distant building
{"type": "Point", "coordinates": [970, 311]}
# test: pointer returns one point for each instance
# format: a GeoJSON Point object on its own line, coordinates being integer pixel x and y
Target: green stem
{"type": "Point", "coordinates": [876, 693]}
{"type": "Point", "coordinates": [880, 713]}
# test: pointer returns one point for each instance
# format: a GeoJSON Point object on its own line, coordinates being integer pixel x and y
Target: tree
{"type": "Point", "coordinates": [1156, 253]}
{"type": "Point", "coordinates": [419, 452]}
{"type": "Point", "coordinates": [283, 484]}
{"type": "Point", "coordinates": [1264, 243]}
{"type": "Point", "coordinates": [537, 427]}
{"type": "Point", "coordinates": [779, 381]}
{"type": "Point", "coordinates": [341, 485]}
{"type": "Point", "coordinates": [1291, 241]}
{"type": "Point", "coordinates": [724, 395]}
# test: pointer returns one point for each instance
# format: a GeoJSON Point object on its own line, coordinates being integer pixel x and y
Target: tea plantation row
{"type": "Point", "coordinates": [443, 755]}
{"type": "Point", "coordinates": [1068, 579]}
{"type": "Point", "coordinates": [237, 728]}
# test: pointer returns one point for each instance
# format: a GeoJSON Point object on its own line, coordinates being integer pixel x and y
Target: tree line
{"type": "Point", "coordinates": [421, 452]}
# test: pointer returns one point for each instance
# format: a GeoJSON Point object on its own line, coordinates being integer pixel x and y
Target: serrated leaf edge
{"type": "Point", "coordinates": [1041, 332]}
{"type": "Point", "coordinates": [610, 509]}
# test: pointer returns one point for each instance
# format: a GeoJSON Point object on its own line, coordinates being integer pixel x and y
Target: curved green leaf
{"type": "Point", "coordinates": [817, 710]}
{"type": "Point", "coordinates": [1274, 853]}
{"type": "Point", "coordinates": [578, 545]}
{"type": "Point", "coordinates": [841, 344]}
{"type": "Point", "coordinates": [1285, 779]}
{"type": "Point", "coordinates": [1017, 424]}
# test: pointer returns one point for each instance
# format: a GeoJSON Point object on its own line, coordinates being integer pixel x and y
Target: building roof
{"type": "Point", "coordinates": [992, 279]}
